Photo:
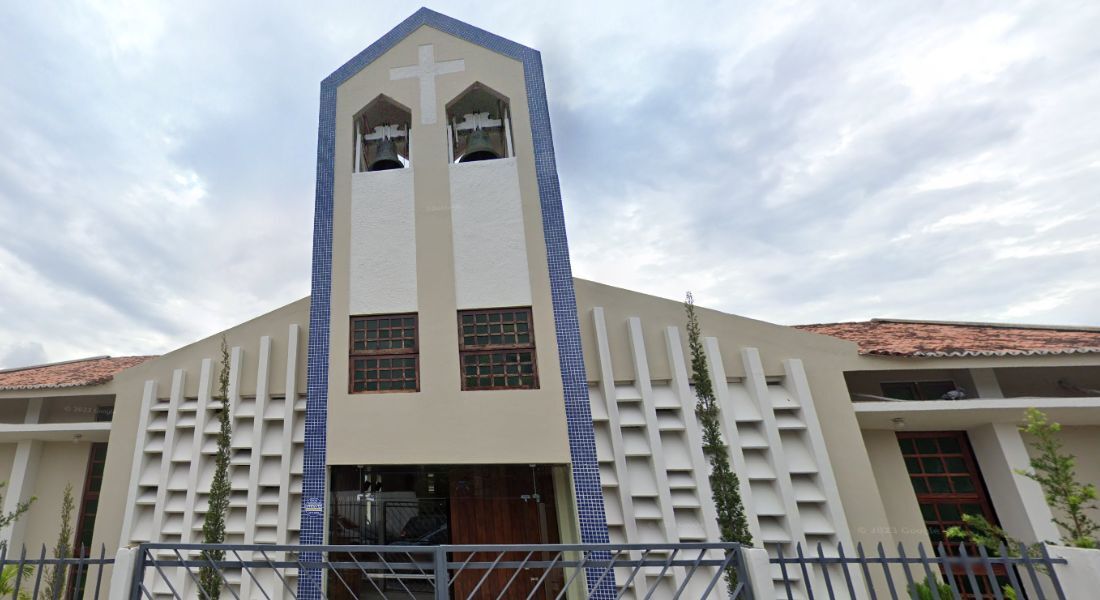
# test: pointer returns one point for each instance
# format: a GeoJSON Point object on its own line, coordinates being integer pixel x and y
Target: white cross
{"type": "Point", "coordinates": [426, 71]}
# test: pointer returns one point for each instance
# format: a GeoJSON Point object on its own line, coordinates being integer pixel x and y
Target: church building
{"type": "Point", "coordinates": [448, 381]}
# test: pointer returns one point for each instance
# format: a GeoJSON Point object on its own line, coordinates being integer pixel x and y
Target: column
{"type": "Point", "coordinates": [1019, 502]}
{"type": "Point", "coordinates": [20, 485]}
{"type": "Point", "coordinates": [986, 384]}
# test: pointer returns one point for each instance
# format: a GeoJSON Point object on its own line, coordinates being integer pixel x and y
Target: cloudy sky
{"type": "Point", "coordinates": [790, 161]}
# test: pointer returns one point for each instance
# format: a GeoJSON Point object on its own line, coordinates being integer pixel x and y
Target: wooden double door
{"type": "Point", "coordinates": [503, 504]}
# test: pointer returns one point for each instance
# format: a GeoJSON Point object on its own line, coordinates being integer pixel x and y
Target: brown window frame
{"type": "Point", "coordinates": [490, 349]}
{"type": "Point", "coordinates": [954, 466]}
{"type": "Point", "coordinates": [93, 487]}
{"type": "Point", "coordinates": [383, 354]}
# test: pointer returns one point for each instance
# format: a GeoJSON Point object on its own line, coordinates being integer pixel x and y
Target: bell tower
{"type": "Point", "coordinates": [382, 136]}
{"type": "Point", "coordinates": [444, 342]}
{"type": "Point", "coordinates": [479, 127]}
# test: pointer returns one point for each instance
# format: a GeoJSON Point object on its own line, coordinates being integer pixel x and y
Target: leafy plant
{"type": "Point", "coordinates": [13, 516]}
{"type": "Point", "coordinates": [977, 530]}
{"type": "Point", "coordinates": [1055, 471]}
{"type": "Point", "coordinates": [7, 580]}
{"type": "Point", "coordinates": [724, 484]}
{"type": "Point", "coordinates": [213, 524]}
{"type": "Point", "coordinates": [930, 589]}
{"type": "Point", "coordinates": [56, 575]}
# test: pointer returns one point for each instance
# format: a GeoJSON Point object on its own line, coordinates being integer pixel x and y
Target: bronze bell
{"type": "Point", "coordinates": [385, 156]}
{"type": "Point", "coordinates": [479, 147]}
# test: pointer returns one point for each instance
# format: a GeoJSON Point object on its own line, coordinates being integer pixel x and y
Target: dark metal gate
{"type": "Point", "coordinates": [650, 571]}
{"type": "Point", "coordinates": [38, 577]}
{"type": "Point", "coordinates": [1014, 574]}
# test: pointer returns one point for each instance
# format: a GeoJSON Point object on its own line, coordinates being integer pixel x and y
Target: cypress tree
{"type": "Point", "coordinates": [57, 574]}
{"type": "Point", "coordinates": [724, 485]}
{"type": "Point", "coordinates": [213, 524]}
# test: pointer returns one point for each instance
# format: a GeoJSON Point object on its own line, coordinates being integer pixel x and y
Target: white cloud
{"type": "Point", "coordinates": [787, 161]}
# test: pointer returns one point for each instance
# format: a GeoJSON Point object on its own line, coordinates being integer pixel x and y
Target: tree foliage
{"type": "Point", "coordinates": [56, 575]}
{"type": "Point", "coordinates": [931, 589]}
{"type": "Point", "coordinates": [213, 524]}
{"type": "Point", "coordinates": [979, 531]}
{"type": "Point", "coordinates": [10, 518]}
{"type": "Point", "coordinates": [724, 484]}
{"type": "Point", "coordinates": [9, 574]}
{"type": "Point", "coordinates": [1055, 471]}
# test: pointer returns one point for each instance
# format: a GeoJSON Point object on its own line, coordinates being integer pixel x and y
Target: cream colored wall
{"type": "Point", "coordinates": [903, 517]}
{"type": "Point", "coordinates": [1084, 444]}
{"type": "Point", "coordinates": [61, 463]}
{"type": "Point", "coordinates": [825, 359]}
{"type": "Point", "coordinates": [441, 424]}
{"type": "Point", "coordinates": [129, 386]}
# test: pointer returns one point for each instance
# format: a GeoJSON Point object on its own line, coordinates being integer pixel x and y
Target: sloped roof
{"type": "Point", "coordinates": [899, 337]}
{"type": "Point", "coordinates": [72, 373]}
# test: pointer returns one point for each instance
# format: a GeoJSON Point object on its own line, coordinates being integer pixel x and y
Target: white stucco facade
{"type": "Point", "coordinates": [490, 248]}
{"type": "Point", "coordinates": [382, 224]}
{"type": "Point", "coordinates": [173, 463]}
{"type": "Point", "coordinates": [649, 445]}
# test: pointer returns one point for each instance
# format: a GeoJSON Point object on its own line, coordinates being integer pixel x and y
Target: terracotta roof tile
{"type": "Point", "coordinates": [74, 373]}
{"type": "Point", "coordinates": [896, 337]}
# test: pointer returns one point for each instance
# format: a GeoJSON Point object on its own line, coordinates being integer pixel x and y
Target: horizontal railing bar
{"type": "Point", "coordinates": [60, 561]}
{"type": "Point", "coordinates": [411, 566]}
{"type": "Point", "coordinates": [447, 548]}
{"type": "Point", "coordinates": [910, 560]}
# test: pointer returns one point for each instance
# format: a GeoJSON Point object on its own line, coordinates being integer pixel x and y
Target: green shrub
{"type": "Point", "coordinates": [1055, 471]}
{"type": "Point", "coordinates": [931, 589]}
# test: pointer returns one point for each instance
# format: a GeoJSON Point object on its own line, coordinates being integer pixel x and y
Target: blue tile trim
{"type": "Point", "coordinates": [582, 444]}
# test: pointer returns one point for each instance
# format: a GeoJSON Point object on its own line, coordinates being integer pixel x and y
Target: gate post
{"type": "Point", "coordinates": [442, 579]}
{"type": "Point", "coordinates": [757, 573]}
{"type": "Point", "coordinates": [126, 574]}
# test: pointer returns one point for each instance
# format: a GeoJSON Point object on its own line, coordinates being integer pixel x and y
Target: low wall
{"type": "Point", "coordinates": [1080, 576]}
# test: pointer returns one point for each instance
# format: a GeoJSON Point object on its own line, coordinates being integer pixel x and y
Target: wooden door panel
{"type": "Point", "coordinates": [488, 507]}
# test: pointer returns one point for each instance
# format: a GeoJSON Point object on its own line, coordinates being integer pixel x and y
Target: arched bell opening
{"type": "Point", "coordinates": [479, 125]}
{"type": "Point", "coordinates": [382, 136]}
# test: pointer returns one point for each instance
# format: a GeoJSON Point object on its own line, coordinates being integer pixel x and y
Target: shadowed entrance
{"type": "Point", "coordinates": [429, 505]}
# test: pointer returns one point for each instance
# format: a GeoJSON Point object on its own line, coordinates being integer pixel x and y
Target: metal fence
{"type": "Point", "coordinates": [500, 572]}
{"type": "Point", "coordinates": [962, 572]}
{"type": "Point", "coordinates": [36, 575]}
{"type": "Point", "coordinates": [388, 521]}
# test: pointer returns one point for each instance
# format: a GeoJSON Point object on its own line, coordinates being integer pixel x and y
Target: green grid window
{"type": "Point", "coordinates": [499, 370]}
{"type": "Point", "coordinates": [496, 329]}
{"type": "Point", "coordinates": [390, 335]}
{"type": "Point", "coordinates": [385, 354]}
{"type": "Point", "coordinates": [497, 349]}
{"type": "Point", "coordinates": [383, 374]}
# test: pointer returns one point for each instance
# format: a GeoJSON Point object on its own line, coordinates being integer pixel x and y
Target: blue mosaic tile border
{"type": "Point", "coordinates": [582, 444]}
